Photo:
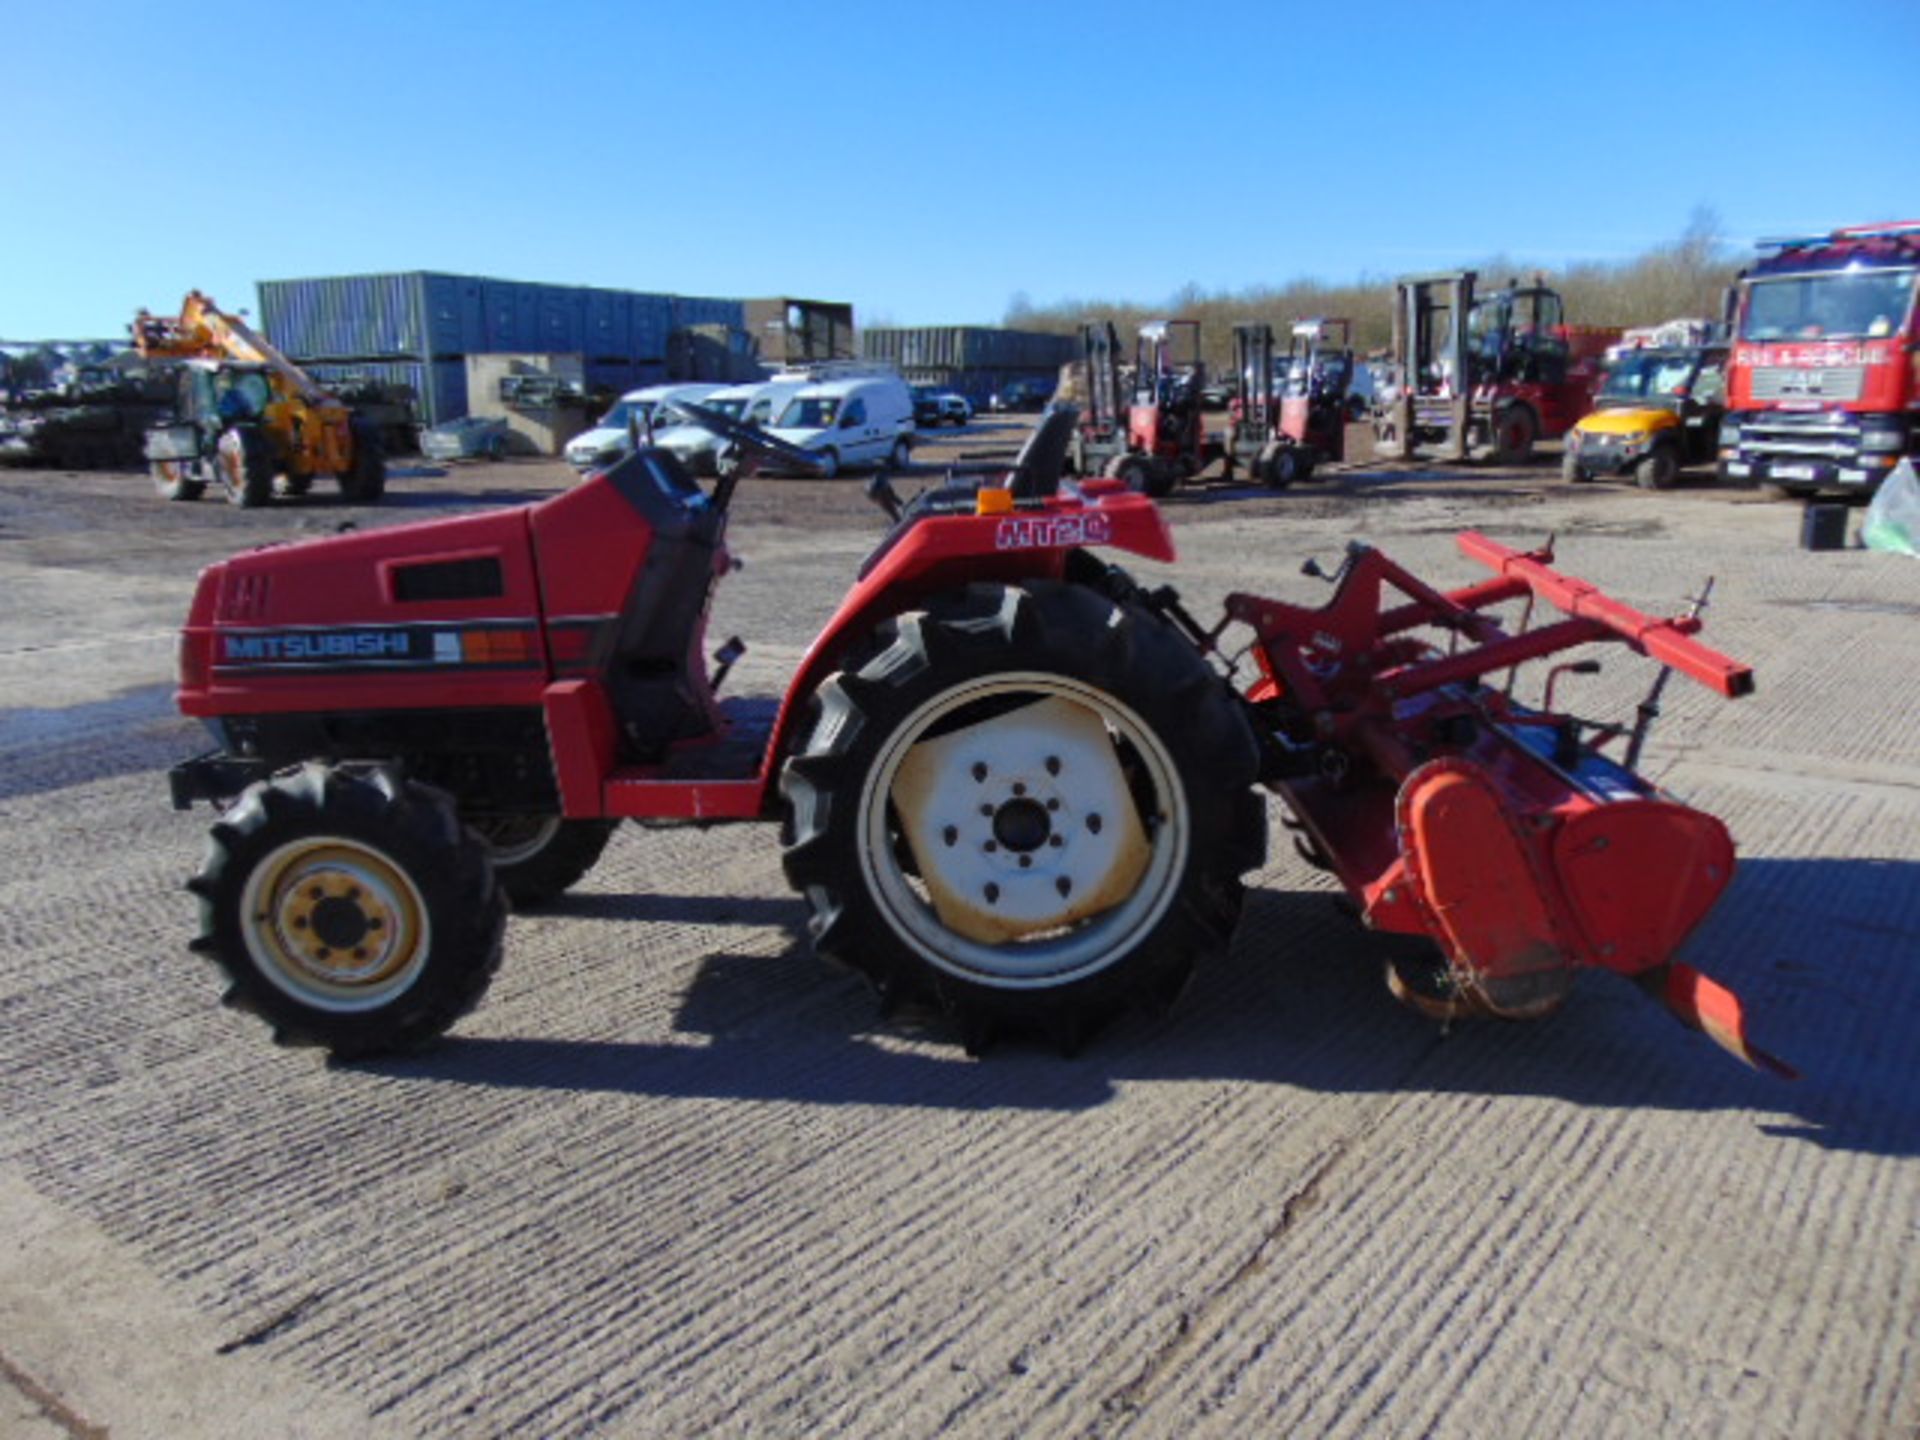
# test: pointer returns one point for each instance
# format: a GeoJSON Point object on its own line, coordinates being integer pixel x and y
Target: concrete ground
{"type": "Point", "coordinates": [675, 1177]}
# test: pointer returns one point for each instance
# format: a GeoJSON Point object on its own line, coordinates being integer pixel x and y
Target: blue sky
{"type": "Point", "coordinates": [926, 162]}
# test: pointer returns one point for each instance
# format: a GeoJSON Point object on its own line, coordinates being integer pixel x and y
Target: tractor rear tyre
{"type": "Point", "coordinates": [245, 462]}
{"type": "Point", "coordinates": [537, 858]}
{"type": "Point", "coordinates": [1514, 431]}
{"type": "Point", "coordinates": [171, 481]}
{"type": "Point", "coordinates": [1657, 469]}
{"type": "Point", "coordinates": [1032, 805]}
{"type": "Point", "coordinates": [349, 909]}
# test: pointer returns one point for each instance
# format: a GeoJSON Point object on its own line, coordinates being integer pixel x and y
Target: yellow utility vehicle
{"type": "Point", "coordinates": [1657, 412]}
{"type": "Point", "coordinates": [246, 415]}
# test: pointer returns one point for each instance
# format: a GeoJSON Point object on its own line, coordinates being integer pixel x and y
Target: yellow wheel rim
{"type": "Point", "coordinates": [335, 924]}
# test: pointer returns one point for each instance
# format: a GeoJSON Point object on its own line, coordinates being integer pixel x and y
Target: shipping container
{"type": "Point", "coordinates": [440, 389]}
{"type": "Point", "coordinates": [692, 310]}
{"type": "Point", "coordinates": [418, 318]}
{"type": "Point", "coordinates": [967, 347]}
{"type": "Point", "coordinates": [417, 315]}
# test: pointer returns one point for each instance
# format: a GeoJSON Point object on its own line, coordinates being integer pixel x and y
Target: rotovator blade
{"type": "Point", "coordinates": [1502, 832]}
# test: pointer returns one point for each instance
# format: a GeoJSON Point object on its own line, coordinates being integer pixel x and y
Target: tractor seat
{"type": "Point", "coordinates": [1043, 459]}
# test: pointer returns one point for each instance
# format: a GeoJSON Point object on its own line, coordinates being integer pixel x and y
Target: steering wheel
{"type": "Point", "coordinates": [750, 439]}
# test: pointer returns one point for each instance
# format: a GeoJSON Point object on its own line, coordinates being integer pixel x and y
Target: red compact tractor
{"type": "Point", "coordinates": [1008, 778]}
{"type": "Point", "coordinates": [1157, 438]}
{"type": "Point", "coordinates": [1290, 417]}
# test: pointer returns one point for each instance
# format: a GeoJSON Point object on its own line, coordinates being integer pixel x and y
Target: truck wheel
{"type": "Point", "coordinates": [537, 858]}
{"type": "Point", "coordinates": [1657, 468]}
{"type": "Point", "coordinates": [292, 484]}
{"type": "Point", "coordinates": [829, 463]}
{"type": "Point", "coordinates": [1514, 432]}
{"type": "Point", "coordinates": [364, 481]}
{"type": "Point", "coordinates": [901, 456]}
{"type": "Point", "coordinates": [349, 910]}
{"type": "Point", "coordinates": [172, 482]}
{"type": "Point", "coordinates": [245, 462]}
{"type": "Point", "coordinates": [1032, 805]}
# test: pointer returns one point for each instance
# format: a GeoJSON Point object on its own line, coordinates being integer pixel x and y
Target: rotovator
{"type": "Point", "coordinates": [1011, 780]}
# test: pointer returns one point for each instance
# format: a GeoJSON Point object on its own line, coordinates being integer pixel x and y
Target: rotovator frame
{"type": "Point", "coordinates": [1011, 780]}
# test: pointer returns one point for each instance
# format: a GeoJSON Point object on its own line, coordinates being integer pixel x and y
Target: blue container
{"type": "Point", "coordinates": [423, 316]}
{"type": "Point", "coordinates": [440, 389]}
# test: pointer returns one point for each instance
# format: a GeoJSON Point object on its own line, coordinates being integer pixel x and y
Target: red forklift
{"type": "Point", "coordinates": [1292, 416]}
{"type": "Point", "coordinates": [1159, 437]}
{"type": "Point", "coordinates": [1483, 377]}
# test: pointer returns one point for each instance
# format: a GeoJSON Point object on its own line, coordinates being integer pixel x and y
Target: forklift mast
{"type": "Point", "coordinates": [1105, 409]}
{"type": "Point", "coordinates": [1253, 364]}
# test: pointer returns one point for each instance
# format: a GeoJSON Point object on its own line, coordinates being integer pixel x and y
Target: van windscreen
{"type": "Point", "coordinates": [810, 412]}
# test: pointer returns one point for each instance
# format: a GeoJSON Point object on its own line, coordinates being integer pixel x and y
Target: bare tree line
{"type": "Point", "coordinates": [1683, 277]}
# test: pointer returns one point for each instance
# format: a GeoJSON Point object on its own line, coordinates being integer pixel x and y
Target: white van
{"type": "Point", "coordinates": [758, 405]}
{"type": "Point", "coordinates": [599, 447]}
{"type": "Point", "coordinates": [864, 419]}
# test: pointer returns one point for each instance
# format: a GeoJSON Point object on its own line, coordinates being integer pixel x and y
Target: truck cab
{"type": "Point", "coordinates": [1822, 382]}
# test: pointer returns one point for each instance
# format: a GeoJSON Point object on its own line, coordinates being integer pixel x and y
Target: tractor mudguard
{"type": "Point", "coordinates": [944, 553]}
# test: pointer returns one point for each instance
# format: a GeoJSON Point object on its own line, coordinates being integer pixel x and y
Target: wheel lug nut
{"type": "Point", "coordinates": [990, 847]}
{"type": "Point", "coordinates": [1018, 788]}
{"type": "Point", "coordinates": [986, 809]}
{"type": "Point", "coordinates": [1025, 861]}
{"type": "Point", "coordinates": [1053, 804]}
{"type": "Point", "coordinates": [1055, 841]}
{"type": "Point", "coordinates": [374, 922]}
{"type": "Point", "coordinates": [1053, 764]}
{"type": "Point", "coordinates": [316, 893]}
{"type": "Point", "coordinates": [993, 894]}
{"type": "Point", "coordinates": [950, 834]}
{"type": "Point", "coordinates": [322, 953]}
{"type": "Point", "coordinates": [980, 770]}
{"type": "Point", "coordinates": [299, 922]}
{"type": "Point", "coordinates": [1064, 886]}
{"type": "Point", "coordinates": [1094, 823]}
{"type": "Point", "coordinates": [359, 954]}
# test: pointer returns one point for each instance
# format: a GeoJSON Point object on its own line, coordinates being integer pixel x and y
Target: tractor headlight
{"type": "Point", "coordinates": [1882, 437]}
{"type": "Point", "coordinates": [1729, 432]}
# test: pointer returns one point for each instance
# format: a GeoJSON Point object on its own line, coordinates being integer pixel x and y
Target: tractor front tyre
{"type": "Point", "coordinates": [538, 858]}
{"type": "Point", "coordinates": [171, 481]}
{"type": "Point", "coordinates": [246, 463]}
{"type": "Point", "coordinates": [1657, 469]}
{"type": "Point", "coordinates": [1514, 431]}
{"type": "Point", "coordinates": [349, 910]}
{"type": "Point", "coordinates": [1032, 805]}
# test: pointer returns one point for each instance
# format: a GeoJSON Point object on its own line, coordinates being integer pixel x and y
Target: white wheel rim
{"type": "Point", "coordinates": [335, 924]}
{"type": "Point", "coordinates": [998, 813]}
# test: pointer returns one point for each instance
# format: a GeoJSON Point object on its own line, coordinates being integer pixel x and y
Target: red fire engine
{"type": "Point", "coordinates": [1824, 378]}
